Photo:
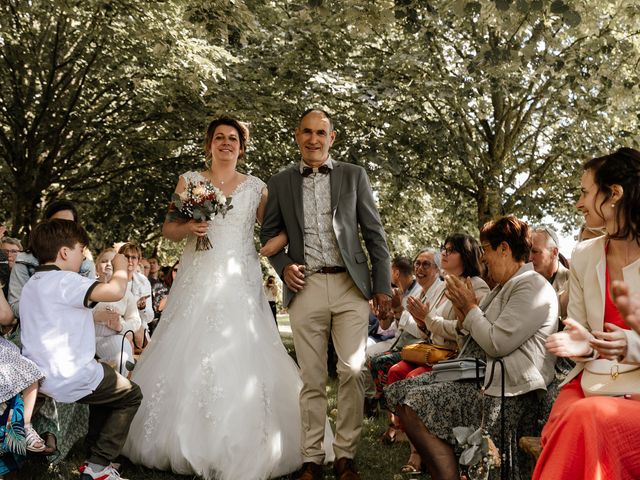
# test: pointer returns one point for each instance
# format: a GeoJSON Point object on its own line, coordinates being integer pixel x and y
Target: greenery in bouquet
{"type": "Point", "coordinates": [199, 201]}
{"type": "Point", "coordinates": [479, 454]}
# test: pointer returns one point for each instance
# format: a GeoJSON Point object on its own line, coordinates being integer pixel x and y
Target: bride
{"type": "Point", "coordinates": [220, 391]}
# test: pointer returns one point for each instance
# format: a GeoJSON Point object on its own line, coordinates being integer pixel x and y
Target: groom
{"type": "Point", "coordinates": [325, 206]}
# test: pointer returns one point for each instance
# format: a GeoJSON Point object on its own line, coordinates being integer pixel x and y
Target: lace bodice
{"type": "Point", "coordinates": [233, 233]}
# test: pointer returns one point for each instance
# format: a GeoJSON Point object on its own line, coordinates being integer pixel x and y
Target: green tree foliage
{"type": "Point", "coordinates": [486, 107]}
{"type": "Point", "coordinates": [459, 109]}
{"type": "Point", "coordinates": [99, 99]}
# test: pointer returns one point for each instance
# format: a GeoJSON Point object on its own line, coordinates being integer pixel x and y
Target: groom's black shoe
{"type": "Point", "coordinates": [310, 471]}
{"type": "Point", "coordinates": [345, 469]}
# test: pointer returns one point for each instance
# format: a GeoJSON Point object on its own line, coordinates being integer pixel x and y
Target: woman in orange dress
{"type": "Point", "coordinates": [598, 437]}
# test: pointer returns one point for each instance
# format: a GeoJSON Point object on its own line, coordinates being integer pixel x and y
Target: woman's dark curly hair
{"type": "Point", "coordinates": [621, 167]}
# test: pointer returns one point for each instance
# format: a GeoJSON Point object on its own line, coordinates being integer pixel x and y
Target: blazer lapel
{"type": "Point", "coordinates": [336, 184]}
{"type": "Point", "coordinates": [602, 284]}
{"type": "Point", "coordinates": [295, 182]}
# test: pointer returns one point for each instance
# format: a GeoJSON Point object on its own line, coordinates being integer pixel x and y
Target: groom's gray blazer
{"type": "Point", "coordinates": [352, 204]}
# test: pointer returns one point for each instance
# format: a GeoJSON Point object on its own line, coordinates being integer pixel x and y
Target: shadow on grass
{"type": "Point", "coordinates": [375, 460]}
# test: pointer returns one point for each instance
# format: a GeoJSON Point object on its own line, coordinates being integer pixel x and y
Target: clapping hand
{"type": "Point", "coordinates": [573, 341]}
{"type": "Point", "coordinates": [460, 292]}
{"type": "Point", "coordinates": [611, 344]}
{"type": "Point", "coordinates": [109, 318]}
{"type": "Point", "coordinates": [628, 305]}
{"type": "Point", "coordinates": [418, 310]}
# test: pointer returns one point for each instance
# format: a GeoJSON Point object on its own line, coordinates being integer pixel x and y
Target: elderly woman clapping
{"type": "Point", "coordinates": [512, 322]}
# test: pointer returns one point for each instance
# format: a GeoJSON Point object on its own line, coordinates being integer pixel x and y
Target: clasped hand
{"type": "Point", "coordinates": [576, 341]}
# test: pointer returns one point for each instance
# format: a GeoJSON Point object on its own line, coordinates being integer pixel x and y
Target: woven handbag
{"type": "Point", "coordinates": [426, 353]}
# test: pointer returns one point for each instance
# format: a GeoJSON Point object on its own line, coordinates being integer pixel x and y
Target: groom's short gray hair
{"type": "Point", "coordinates": [319, 110]}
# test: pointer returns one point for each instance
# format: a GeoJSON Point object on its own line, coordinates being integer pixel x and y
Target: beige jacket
{"type": "Point", "coordinates": [441, 321]}
{"type": "Point", "coordinates": [513, 323]}
{"type": "Point", "coordinates": [586, 294]}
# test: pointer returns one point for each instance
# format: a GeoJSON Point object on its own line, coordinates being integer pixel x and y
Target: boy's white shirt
{"type": "Point", "coordinates": [57, 332]}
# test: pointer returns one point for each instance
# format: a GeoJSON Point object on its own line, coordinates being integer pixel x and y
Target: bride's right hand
{"type": "Point", "coordinates": [573, 341]}
{"type": "Point", "coordinates": [197, 228]}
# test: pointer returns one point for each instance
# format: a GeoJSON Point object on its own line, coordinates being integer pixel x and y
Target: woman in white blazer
{"type": "Point", "coordinates": [598, 437]}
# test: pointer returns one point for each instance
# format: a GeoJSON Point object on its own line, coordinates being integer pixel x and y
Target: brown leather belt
{"type": "Point", "coordinates": [329, 270]}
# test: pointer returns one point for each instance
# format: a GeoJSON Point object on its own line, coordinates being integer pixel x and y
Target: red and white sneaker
{"type": "Point", "coordinates": [107, 473]}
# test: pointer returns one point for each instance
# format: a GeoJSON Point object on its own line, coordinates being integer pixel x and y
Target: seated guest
{"type": "Point", "coordinates": [598, 436]}
{"type": "Point", "coordinates": [405, 285]}
{"type": "Point", "coordinates": [382, 356]}
{"type": "Point", "coordinates": [512, 323]}
{"type": "Point", "coordinates": [154, 270]}
{"type": "Point", "coordinates": [18, 389]}
{"type": "Point", "coordinates": [545, 256]}
{"type": "Point", "coordinates": [58, 336]}
{"type": "Point", "coordinates": [438, 322]}
{"type": "Point", "coordinates": [114, 319]}
{"type": "Point", "coordinates": [26, 262]}
{"type": "Point", "coordinates": [140, 287]}
{"type": "Point", "coordinates": [12, 247]}
{"type": "Point", "coordinates": [161, 290]}
{"type": "Point", "coordinates": [67, 422]}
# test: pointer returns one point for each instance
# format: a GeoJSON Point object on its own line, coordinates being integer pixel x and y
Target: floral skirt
{"type": "Point", "coordinates": [445, 405]}
{"type": "Point", "coordinates": [16, 371]}
{"type": "Point", "coordinates": [379, 366]}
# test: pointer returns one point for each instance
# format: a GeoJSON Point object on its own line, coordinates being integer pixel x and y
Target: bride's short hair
{"type": "Point", "coordinates": [241, 128]}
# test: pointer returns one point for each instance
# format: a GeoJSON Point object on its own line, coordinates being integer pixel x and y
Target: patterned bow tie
{"type": "Point", "coordinates": [323, 169]}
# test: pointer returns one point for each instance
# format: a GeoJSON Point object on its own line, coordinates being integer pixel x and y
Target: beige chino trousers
{"type": "Point", "coordinates": [330, 304]}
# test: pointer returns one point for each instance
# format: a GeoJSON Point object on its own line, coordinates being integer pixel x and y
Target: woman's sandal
{"type": "Point", "coordinates": [389, 435]}
{"type": "Point", "coordinates": [414, 465]}
{"type": "Point", "coordinates": [34, 442]}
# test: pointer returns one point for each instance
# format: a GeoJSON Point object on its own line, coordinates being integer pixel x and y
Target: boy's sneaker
{"type": "Point", "coordinates": [107, 473]}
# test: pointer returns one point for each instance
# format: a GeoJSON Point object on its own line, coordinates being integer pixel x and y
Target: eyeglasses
{"type": "Point", "coordinates": [131, 257]}
{"type": "Point", "coordinates": [426, 264]}
{"type": "Point", "coordinates": [447, 250]}
{"type": "Point", "coordinates": [10, 251]}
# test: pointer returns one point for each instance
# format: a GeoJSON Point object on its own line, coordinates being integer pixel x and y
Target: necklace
{"type": "Point", "coordinates": [221, 182]}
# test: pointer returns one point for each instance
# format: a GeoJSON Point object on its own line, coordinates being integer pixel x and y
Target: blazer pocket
{"type": "Point", "coordinates": [361, 257]}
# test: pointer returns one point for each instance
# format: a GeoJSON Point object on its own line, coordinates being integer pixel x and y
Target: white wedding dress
{"type": "Point", "coordinates": [220, 391]}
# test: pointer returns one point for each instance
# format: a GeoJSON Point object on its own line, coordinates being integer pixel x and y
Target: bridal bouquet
{"type": "Point", "coordinates": [200, 201]}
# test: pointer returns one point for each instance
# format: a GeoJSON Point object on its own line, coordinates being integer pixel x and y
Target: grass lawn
{"type": "Point", "coordinates": [375, 460]}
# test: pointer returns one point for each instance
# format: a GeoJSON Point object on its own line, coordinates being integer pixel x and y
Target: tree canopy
{"type": "Point", "coordinates": [460, 110]}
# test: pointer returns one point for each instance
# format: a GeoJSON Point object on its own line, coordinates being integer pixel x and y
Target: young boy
{"type": "Point", "coordinates": [58, 335]}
